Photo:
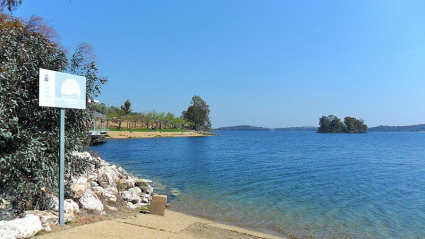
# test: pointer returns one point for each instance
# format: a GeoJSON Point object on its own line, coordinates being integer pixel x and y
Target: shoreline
{"type": "Point", "coordinates": [172, 225]}
{"type": "Point", "coordinates": [233, 224]}
{"type": "Point", "coordinates": [153, 134]}
{"type": "Point", "coordinates": [130, 222]}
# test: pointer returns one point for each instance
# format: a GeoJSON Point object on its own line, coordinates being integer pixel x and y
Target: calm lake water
{"type": "Point", "coordinates": [300, 183]}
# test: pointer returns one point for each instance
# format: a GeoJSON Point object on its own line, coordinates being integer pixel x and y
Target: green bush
{"type": "Point", "coordinates": [29, 134]}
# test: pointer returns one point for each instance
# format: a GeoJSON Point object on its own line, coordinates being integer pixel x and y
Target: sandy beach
{"type": "Point", "coordinates": [172, 225]}
{"type": "Point", "coordinates": [153, 134]}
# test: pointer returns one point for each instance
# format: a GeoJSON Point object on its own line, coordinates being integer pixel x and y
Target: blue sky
{"type": "Point", "coordinates": [264, 63]}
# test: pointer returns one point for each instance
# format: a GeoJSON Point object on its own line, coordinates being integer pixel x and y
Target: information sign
{"type": "Point", "coordinates": [62, 90]}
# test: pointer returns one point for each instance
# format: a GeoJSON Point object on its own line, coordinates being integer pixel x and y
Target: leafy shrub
{"type": "Point", "coordinates": [29, 134]}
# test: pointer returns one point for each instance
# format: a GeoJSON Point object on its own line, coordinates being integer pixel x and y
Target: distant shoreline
{"type": "Point", "coordinates": [153, 134]}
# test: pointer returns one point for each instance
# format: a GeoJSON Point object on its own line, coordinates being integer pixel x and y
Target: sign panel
{"type": "Point", "coordinates": [61, 90]}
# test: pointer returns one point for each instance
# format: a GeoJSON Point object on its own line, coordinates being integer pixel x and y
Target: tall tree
{"type": "Point", "coordinates": [161, 119]}
{"type": "Point", "coordinates": [29, 134]}
{"type": "Point", "coordinates": [324, 125]}
{"type": "Point", "coordinates": [170, 119]}
{"type": "Point", "coordinates": [126, 107]}
{"type": "Point", "coordinates": [360, 126]}
{"type": "Point", "coordinates": [350, 124]}
{"type": "Point", "coordinates": [198, 112]}
{"type": "Point", "coordinates": [150, 117]}
{"type": "Point", "coordinates": [336, 124]}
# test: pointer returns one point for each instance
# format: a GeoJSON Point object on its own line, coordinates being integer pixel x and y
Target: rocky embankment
{"type": "Point", "coordinates": [103, 189]}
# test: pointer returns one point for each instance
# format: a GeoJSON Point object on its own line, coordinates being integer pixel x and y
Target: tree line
{"type": "Point", "coordinates": [332, 124]}
{"type": "Point", "coordinates": [408, 128]}
{"type": "Point", "coordinates": [196, 117]}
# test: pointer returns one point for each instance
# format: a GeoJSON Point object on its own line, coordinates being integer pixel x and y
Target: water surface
{"type": "Point", "coordinates": [300, 183]}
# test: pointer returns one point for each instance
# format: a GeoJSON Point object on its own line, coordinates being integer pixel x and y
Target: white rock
{"type": "Point", "coordinates": [130, 205]}
{"type": "Point", "coordinates": [71, 207]}
{"type": "Point", "coordinates": [130, 196]}
{"type": "Point", "coordinates": [136, 191]}
{"type": "Point", "coordinates": [78, 189]}
{"type": "Point", "coordinates": [80, 179]}
{"type": "Point", "coordinates": [21, 227]}
{"type": "Point", "coordinates": [107, 177]}
{"type": "Point", "coordinates": [98, 190]}
{"type": "Point", "coordinates": [122, 173]}
{"type": "Point", "coordinates": [92, 177]}
{"type": "Point", "coordinates": [94, 184]}
{"type": "Point", "coordinates": [47, 218]}
{"type": "Point", "coordinates": [129, 182]}
{"type": "Point", "coordinates": [91, 202]}
{"type": "Point", "coordinates": [146, 198]}
{"type": "Point", "coordinates": [109, 197]}
{"type": "Point", "coordinates": [112, 190]}
{"type": "Point", "coordinates": [81, 154]}
{"type": "Point", "coordinates": [109, 194]}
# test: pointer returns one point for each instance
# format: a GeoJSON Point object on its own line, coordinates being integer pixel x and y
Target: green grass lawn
{"type": "Point", "coordinates": [149, 130]}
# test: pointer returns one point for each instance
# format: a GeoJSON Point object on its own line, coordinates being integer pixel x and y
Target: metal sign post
{"type": "Point", "coordinates": [62, 168]}
{"type": "Point", "coordinates": [62, 91]}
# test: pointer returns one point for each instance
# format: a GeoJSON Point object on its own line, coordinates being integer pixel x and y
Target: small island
{"type": "Point", "coordinates": [242, 128]}
{"type": "Point", "coordinates": [332, 124]}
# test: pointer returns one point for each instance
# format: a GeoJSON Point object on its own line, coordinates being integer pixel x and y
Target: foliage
{"type": "Point", "coordinates": [126, 107]}
{"type": "Point", "coordinates": [150, 130]}
{"type": "Point", "coordinates": [29, 134]}
{"type": "Point", "coordinates": [149, 120]}
{"type": "Point", "coordinates": [332, 124]}
{"type": "Point", "coordinates": [100, 108]}
{"type": "Point", "coordinates": [408, 128]}
{"type": "Point", "coordinates": [10, 4]}
{"type": "Point", "coordinates": [198, 113]}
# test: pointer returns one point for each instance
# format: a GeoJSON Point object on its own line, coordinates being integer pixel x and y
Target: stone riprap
{"type": "Point", "coordinates": [20, 228]}
{"type": "Point", "coordinates": [100, 190]}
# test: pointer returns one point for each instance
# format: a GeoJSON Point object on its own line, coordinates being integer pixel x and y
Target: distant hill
{"type": "Point", "coordinates": [409, 128]}
{"type": "Point", "coordinates": [243, 128]}
{"type": "Point", "coordinates": [303, 128]}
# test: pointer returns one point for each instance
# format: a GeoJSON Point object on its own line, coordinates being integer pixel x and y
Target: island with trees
{"type": "Point", "coordinates": [242, 128]}
{"type": "Point", "coordinates": [332, 124]}
{"type": "Point", "coordinates": [408, 128]}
